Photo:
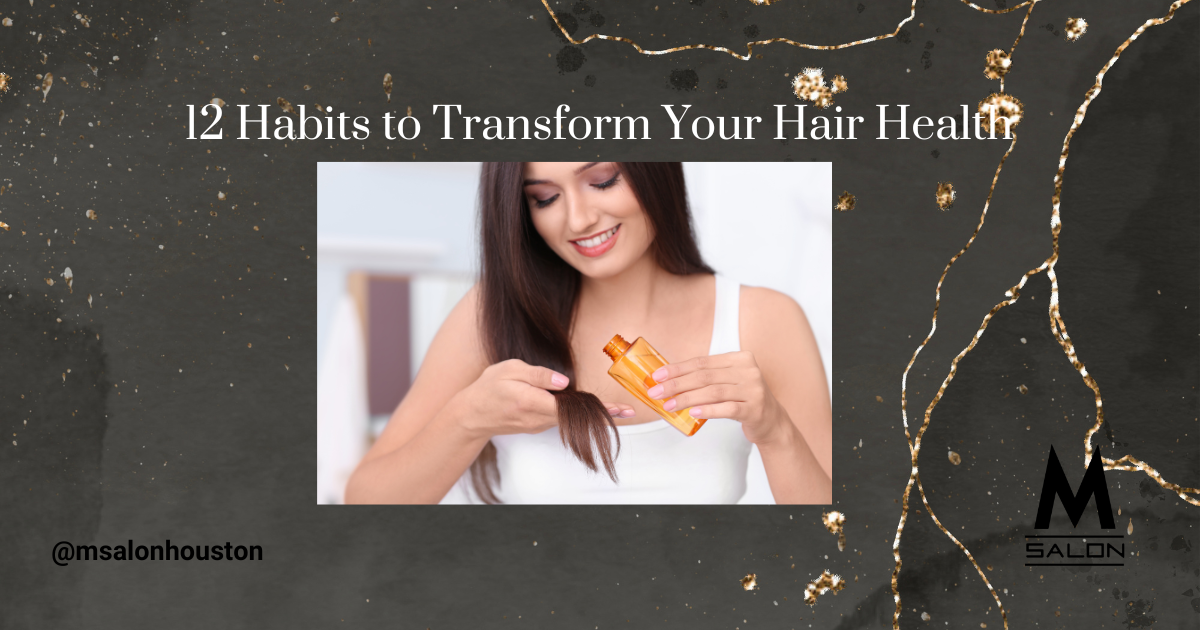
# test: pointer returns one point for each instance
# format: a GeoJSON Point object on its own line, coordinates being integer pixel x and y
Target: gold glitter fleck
{"type": "Point", "coordinates": [809, 85]}
{"type": "Point", "coordinates": [91, 214]}
{"type": "Point", "coordinates": [823, 584]}
{"type": "Point", "coordinates": [1021, 388]}
{"type": "Point", "coordinates": [70, 278]}
{"type": "Point", "coordinates": [750, 582]}
{"type": "Point", "coordinates": [1003, 110]}
{"type": "Point", "coordinates": [62, 113]}
{"type": "Point", "coordinates": [954, 458]}
{"type": "Point", "coordinates": [256, 57]}
{"type": "Point", "coordinates": [1075, 28]}
{"type": "Point", "coordinates": [89, 300]}
{"type": "Point", "coordinates": [8, 21]}
{"type": "Point", "coordinates": [1129, 530]}
{"type": "Point", "coordinates": [287, 107]}
{"type": "Point", "coordinates": [335, 19]}
{"type": "Point", "coordinates": [4, 82]}
{"type": "Point", "coordinates": [47, 83]}
{"type": "Point", "coordinates": [5, 227]}
{"type": "Point", "coordinates": [49, 282]}
{"type": "Point", "coordinates": [387, 86]}
{"type": "Point", "coordinates": [220, 195]}
{"type": "Point", "coordinates": [845, 202]}
{"type": "Point", "coordinates": [945, 195]}
{"type": "Point", "coordinates": [218, 102]}
{"type": "Point", "coordinates": [834, 522]}
{"type": "Point", "coordinates": [998, 63]}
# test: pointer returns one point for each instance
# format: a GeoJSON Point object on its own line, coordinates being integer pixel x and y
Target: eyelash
{"type": "Point", "coordinates": [540, 203]}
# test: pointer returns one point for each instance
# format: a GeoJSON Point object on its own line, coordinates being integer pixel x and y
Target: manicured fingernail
{"type": "Point", "coordinates": [660, 374]}
{"type": "Point", "coordinates": [669, 405]}
{"type": "Point", "coordinates": [559, 380]}
{"type": "Point", "coordinates": [628, 413]}
{"type": "Point", "coordinates": [655, 392]}
{"type": "Point", "coordinates": [696, 412]}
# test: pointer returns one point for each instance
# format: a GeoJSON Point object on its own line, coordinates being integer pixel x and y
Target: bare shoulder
{"type": "Point", "coordinates": [766, 312]}
{"type": "Point", "coordinates": [774, 328]}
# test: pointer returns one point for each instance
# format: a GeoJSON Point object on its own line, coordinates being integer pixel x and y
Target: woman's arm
{"type": "Point", "coordinates": [425, 448]}
{"type": "Point", "coordinates": [799, 462]}
{"type": "Point", "coordinates": [775, 386]}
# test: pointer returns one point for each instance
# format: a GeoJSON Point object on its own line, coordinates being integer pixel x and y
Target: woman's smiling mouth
{"type": "Point", "coordinates": [598, 244]}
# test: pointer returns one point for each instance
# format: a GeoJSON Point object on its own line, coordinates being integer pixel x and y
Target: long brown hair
{"type": "Point", "coordinates": [528, 295]}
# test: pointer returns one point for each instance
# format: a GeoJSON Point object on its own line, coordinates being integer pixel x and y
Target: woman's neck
{"type": "Point", "coordinates": [638, 289]}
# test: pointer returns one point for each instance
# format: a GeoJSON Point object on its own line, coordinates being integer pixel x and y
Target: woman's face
{"type": "Point", "coordinates": [588, 214]}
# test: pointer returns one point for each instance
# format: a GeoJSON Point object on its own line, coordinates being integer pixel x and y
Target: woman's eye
{"type": "Point", "coordinates": [606, 184]}
{"type": "Point", "coordinates": [542, 203]}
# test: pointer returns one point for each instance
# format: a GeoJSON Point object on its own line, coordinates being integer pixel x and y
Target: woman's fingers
{"type": "Point", "coordinates": [703, 396]}
{"type": "Point", "coordinates": [618, 410]}
{"type": "Point", "coordinates": [536, 375]}
{"type": "Point", "coordinates": [716, 410]}
{"type": "Point", "coordinates": [716, 361]}
{"type": "Point", "coordinates": [691, 381]}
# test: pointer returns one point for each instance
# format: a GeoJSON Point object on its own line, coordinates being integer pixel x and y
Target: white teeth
{"type": "Point", "coordinates": [596, 240]}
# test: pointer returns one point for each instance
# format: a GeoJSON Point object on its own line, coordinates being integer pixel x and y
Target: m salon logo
{"type": "Point", "coordinates": [1072, 550]}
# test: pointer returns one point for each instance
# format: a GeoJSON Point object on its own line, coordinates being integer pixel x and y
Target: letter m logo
{"type": "Point", "coordinates": [1056, 484]}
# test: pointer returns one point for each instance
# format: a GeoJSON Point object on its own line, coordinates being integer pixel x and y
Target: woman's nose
{"type": "Point", "coordinates": [581, 215]}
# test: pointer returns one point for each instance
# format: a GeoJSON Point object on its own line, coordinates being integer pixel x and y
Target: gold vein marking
{"type": "Point", "coordinates": [912, 13]}
{"type": "Point", "coordinates": [1058, 327]}
{"type": "Point", "coordinates": [914, 447]}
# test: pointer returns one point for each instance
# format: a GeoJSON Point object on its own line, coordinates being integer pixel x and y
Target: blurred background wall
{"type": "Point", "coordinates": [397, 248]}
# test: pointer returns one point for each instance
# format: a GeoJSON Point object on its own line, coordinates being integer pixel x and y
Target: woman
{"type": "Point", "coordinates": [574, 253]}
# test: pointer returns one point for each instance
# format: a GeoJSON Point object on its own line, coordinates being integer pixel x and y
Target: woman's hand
{"type": "Point", "coordinates": [514, 397]}
{"type": "Point", "coordinates": [724, 386]}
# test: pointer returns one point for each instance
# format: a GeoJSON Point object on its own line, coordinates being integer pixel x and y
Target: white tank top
{"type": "Point", "coordinates": [657, 464]}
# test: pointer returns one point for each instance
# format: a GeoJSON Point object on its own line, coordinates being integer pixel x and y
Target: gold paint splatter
{"type": "Point", "coordinates": [1129, 530]}
{"type": "Point", "coordinates": [1075, 28]}
{"type": "Point", "coordinates": [845, 202]}
{"type": "Point", "coordinates": [998, 63]}
{"type": "Point", "coordinates": [1002, 110]}
{"type": "Point", "coordinates": [4, 82]}
{"type": "Point", "coordinates": [834, 522]}
{"type": "Point", "coordinates": [70, 278]}
{"type": "Point", "coordinates": [387, 86]}
{"type": "Point", "coordinates": [91, 214]}
{"type": "Point", "coordinates": [750, 582]}
{"type": "Point", "coordinates": [49, 282]}
{"type": "Point", "coordinates": [878, 398]}
{"type": "Point", "coordinates": [954, 458]}
{"type": "Point", "coordinates": [287, 107]}
{"type": "Point", "coordinates": [218, 102]}
{"type": "Point", "coordinates": [945, 195]}
{"type": "Point", "coordinates": [809, 85]}
{"type": "Point", "coordinates": [62, 113]}
{"type": "Point", "coordinates": [5, 227]}
{"type": "Point", "coordinates": [823, 584]}
{"type": "Point", "coordinates": [47, 83]}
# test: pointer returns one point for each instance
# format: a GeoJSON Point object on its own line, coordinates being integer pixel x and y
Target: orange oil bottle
{"type": "Point", "coordinates": [633, 365]}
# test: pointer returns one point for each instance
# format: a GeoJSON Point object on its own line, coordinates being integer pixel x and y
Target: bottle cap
{"type": "Point", "coordinates": [616, 347]}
